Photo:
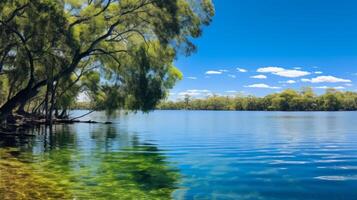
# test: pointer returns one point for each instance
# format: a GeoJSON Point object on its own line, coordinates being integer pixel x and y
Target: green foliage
{"type": "Point", "coordinates": [119, 53]}
{"type": "Point", "coordinates": [288, 100]}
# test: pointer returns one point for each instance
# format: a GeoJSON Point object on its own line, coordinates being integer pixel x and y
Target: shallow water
{"type": "Point", "coordinates": [191, 155]}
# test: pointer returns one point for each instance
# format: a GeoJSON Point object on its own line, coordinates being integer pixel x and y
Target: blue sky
{"type": "Point", "coordinates": [264, 46]}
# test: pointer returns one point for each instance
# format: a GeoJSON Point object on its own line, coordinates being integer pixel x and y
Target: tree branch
{"type": "Point", "coordinates": [82, 115]}
{"type": "Point", "coordinates": [14, 13]}
{"type": "Point", "coordinates": [90, 17]}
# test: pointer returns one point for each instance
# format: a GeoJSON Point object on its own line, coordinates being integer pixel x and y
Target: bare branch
{"type": "Point", "coordinates": [82, 115]}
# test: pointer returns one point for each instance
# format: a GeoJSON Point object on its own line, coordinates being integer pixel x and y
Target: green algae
{"type": "Point", "coordinates": [135, 172]}
{"type": "Point", "coordinates": [18, 181]}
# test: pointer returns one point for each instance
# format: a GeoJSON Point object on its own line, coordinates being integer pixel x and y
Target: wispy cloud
{"type": "Point", "coordinates": [318, 72]}
{"type": "Point", "coordinates": [213, 72]}
{"type": "Point", "coordinates": [260, 76]}
{"type": "Point", "coordinates": [292, 73]}
{"type": "Point", "coordinates": [290, 81]}
{"type": "Point", "coordinates": [191, 77]}
{"type": "Point", "coordinates": [223, 70]}
{"type": "Point", "coordinates": [270, 69]}
{"type": "Point", "coordinates": [242, 70]}
{"type": "Point", "coordinates": [234, 93]}
{"type": "Point", "coordinates": [326, 87]}
{"type": "Point", "coordinates": [231, 91]}
{"type": "Point", "coordinates": [195, 93]}
{"type": "Point", "coordinates": [216, 72]}
{"type": "Point", "coordinates": [232, 76]}
{"type": "Point", "coordinates": [326, 79]}
{"type": "Point", "coordinates": [262, 85]}
{"type": "Point", "coordinates": [279, 71]}
{"type": "Point", "coordinates": [348, 84]}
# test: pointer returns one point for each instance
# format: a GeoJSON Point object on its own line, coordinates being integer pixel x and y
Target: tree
{"type": "Point", "coordinates": [187, 100]}
{"type": "Point", "coordinates": [131, 43]}
{"type": "Point", "coordinates": [288, 100]}
{"type": "Point", "coordinates": [308, 99]}
{"type": "Point", "coordinates": [329, 101]}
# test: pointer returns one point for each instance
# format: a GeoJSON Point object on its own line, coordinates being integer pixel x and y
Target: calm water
{"type": "Point", "coordinates": [197, 155]}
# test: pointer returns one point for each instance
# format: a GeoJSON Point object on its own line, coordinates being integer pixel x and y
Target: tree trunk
{"type": "Point", "coordinates": [63, 114]}
{"type": "Point", "coordinates": [11, 104]}
{"type": "Point", "coordinates": [21, 109]}
{"type": "Point", "coordinates": [52, 104]}
{"type": "Point", "coordinates": [24, 94]}
{"type": "Point", "coordinates": [46, 102]}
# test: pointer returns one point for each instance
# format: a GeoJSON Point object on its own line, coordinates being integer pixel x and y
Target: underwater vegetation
{"type": "Point", "coordinates": [137, 171]}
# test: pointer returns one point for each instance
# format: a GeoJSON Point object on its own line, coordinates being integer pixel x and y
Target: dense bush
{"type": "Point", "coordinates": [288, 100]}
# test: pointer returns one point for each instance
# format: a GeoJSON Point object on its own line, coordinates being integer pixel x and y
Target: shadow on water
{"type": "Point", "coordinates": [84, 162]}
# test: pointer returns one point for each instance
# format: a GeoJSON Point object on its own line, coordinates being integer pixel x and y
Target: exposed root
{"type": "Point", "coordinates": [17, 124]}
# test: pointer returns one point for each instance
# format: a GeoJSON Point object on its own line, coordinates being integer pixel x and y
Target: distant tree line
{"type": "Point", "coordinates": [288, 100]}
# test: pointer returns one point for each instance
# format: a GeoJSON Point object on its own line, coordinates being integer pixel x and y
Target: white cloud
{"type": "Point", "coordinates": [318, 72]}
{"type": "Point", "coordinates": [235, 92]}
{"type": "Point", "coordinates": [339, 88]}
{"type": "Point", "coordinates": [321, 87]}
{"type": "Point", "coordinates": [279, 71]}
{"type": "Point", "coordinates": [290, 81]}
{"type": "Point", "coordinates": [326, 79]}
{"type": "Point", "coordinates": [348, 84]}
{"type": "Point", "coordinates": [262, 85]}
{"type": "Point", "coordinates": [260, 76]}
{"type": "Point", "coordinates": [213, 72]}
{"type": "Point", "coordinates": [232, 76]}
{"type": "Point", "coordinates": [242, 70]}
{"type": "Point", "coordinates": [270, 69]}
{"type": "Point", "coordinates": [292, 73]}
{"type": "Point", "coordinates": [191, 77]}
{"type": "Point", "coordinates": [195, 93]}
{"type": "Point", "coordinates": [326, 87]}
{"type": "Point", "coordinates": [297, 68]}
{"type": "Point", "coordinates": [223, 70]}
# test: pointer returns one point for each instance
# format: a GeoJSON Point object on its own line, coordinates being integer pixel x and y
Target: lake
{"type": "Point", "coordinates": [187, 155]}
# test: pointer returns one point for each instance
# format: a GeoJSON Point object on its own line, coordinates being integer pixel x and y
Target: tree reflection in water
{"type": "Point", "coordinates": [73, 164]}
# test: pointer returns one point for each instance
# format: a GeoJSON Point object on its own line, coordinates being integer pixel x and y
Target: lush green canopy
{"type": "Point", "coordinates": [118, 52]}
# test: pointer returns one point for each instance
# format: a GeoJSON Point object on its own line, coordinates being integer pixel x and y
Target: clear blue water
{"type": "Point", "coordinates": [221, 154]}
